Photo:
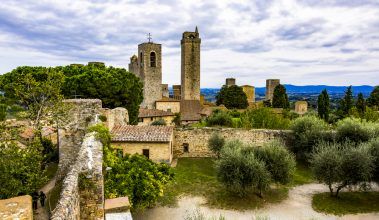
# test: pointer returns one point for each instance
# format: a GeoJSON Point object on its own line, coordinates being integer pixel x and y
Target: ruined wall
{"type": "Point", "coordinates": [16, 208]}
{"type": "Point", "coordinates": [197, 139]}
{"type": "Point", "coordinates": [116, 117]}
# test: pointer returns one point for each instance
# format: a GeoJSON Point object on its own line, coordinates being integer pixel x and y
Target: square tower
{"type": "Point", "coordinates": [133, 65]}
{"type": "Point", "coordinates": [190, 72]}
{"type": "Point", "coordinates": [270, 87]}
{"type": "Point", "coordinates": [150, 71]}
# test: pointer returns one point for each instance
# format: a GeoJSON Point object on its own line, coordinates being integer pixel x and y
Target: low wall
{"type": "Point", "coordinates": [197, 139]}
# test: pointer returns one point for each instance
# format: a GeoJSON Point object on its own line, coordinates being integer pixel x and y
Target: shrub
{"type": "Point", "coordinates": [279, 161]}
{"type": "Point", "coordinates": [263, 118]}
{"type": "Point", "coordinates": [341, 165]}
{"type": "Point", "coordinates": [354, 130]}
{"type": "Point", "coordinates": [177, 119]}
{"type": "Point", "coordinates": [215, 144]}
{"type": "Point", "coordinates": [374, 150]}
{"type": "Point", "coordinates": [220, 118]}
{"type": "Point", "coordinates": [307, 132]}
{"type": "Point", "coordinates": [158, 122]}
{"type": "Point", "coordinates": [103, 118]}
{"type": "Point", "coordinates": [3, 112]}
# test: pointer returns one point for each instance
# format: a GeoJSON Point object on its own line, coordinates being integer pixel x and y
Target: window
{"type": "Point", "coordinates": [146, 153]}
{"type": "Point", "coordinates": [120, 153]}
{"type": "Point", "coordinates": [153, 62]}
{"type": "Point", "coordinates": [185, 147]}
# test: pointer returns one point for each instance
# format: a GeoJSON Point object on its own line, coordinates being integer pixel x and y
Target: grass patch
{"type": "Point", "coordinates": [197, 177]}
{"type": "Point", "coordinates": [303, 174]}
{"type": "Point", "coordinates": [51, 170]}
{"type": "Point", "coordinates": [347, 203]}
{"type": "Point", "coordinates": [53, 196]}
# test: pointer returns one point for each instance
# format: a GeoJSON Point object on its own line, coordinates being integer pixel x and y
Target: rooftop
{"type": "Point", "coordinates": [132, 133]}
{"type": "Point", "coordinates": [147, 113]}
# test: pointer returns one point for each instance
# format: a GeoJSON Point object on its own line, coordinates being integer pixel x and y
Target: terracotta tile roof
{"type": "Point", "coordinates": [133, 133]}
{"type": "Point", "coordinates": [147, 113]}
{"type": "Point", "coordinates": [190, 110]}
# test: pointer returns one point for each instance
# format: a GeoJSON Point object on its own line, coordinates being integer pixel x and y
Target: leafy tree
{"type": "Point", "coordinates": [280, 98]}
{"type": "Point", "coordinates": [233, 97]}
{"type": "Point", "coordinates": [219, 117]}
{"type": "Point", "coordinates": [323, 105]}
{"type": "Point", "coordinates": [3, 111]}
{"type": "Point", "coordinates": [353, 130]}
{"type": "Point", "coordinates": [279, 162]}
{"type": "Point", "coordinates": [341, 165]}
{"type": "Point", "coordinates": [263, 118]}
{"type": "Point", "coordinates": [307, 132]}
{"type": "Point", "coordinates": [240, 172]}
{"type": "Point", "coordinates": [361, 104]}
{"type": "Point", "coordinates": [374, 150]}
{"type": "Point", "coordinates": [114, 86]}
{"type": "Point", "coordinates": [347, 103]}
{"type": "Point", "coordinates": [215, 144]}
{"type": "Point", "coordinates": [373, 100]}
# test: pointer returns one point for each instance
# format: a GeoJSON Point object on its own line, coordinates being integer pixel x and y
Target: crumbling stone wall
{"type": "Point", "coordinates": [196, 139]}
{"type": "Point", "coordinates": [116, 117]}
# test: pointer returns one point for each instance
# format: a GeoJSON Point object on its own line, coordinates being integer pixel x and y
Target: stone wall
{"type": "Point", "coordinates": [197, 139]}
{"type": "Point", "coordinates": [116, 117]}
{"type": "Point", "coordinates": [16, 208]}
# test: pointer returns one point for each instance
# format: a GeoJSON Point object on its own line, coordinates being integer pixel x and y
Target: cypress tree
{"type": "Point", "coordinates": [347, 102]}
{"type": "Point", "coordinates": [280, 98]}
{"type": "Point", "coordinates": [323, 105]}
{"type": "Point", "coordinates": [361, 104]}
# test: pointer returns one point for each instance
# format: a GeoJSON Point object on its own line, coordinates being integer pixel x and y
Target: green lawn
{"type": "Point", "coordinates": [197, 177]}
{"type": "Point", "coordinates": [347, 203]}
{"type": "Point", "coordinates": [303, 174]}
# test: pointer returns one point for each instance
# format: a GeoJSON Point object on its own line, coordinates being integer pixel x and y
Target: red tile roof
{"type": "Point", "coordinates": [132, 133]}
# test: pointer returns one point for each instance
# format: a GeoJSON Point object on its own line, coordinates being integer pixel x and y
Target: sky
{"type": "Point", "coordinates": [301, 42]}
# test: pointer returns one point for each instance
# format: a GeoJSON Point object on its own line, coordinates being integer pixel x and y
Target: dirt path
{"type": "Point", "coordinates": [298, 205]}
{"type": "Point", "coordinates": [42, 213]}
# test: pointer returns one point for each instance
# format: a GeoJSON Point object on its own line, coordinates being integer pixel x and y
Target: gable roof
{"type": "Point", "coordinates": [190, 110]}
{"type": "Point", "coordinates": [147, 113]}
{"type": "Point", "coordinates": [133, 133]}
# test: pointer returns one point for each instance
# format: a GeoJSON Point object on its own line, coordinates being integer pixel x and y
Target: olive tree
{"type": "Point", "coordinates": [215, 144]}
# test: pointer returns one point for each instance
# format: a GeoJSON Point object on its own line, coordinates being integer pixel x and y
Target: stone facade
{"type": "Point", "coordinates": [190, 66]}
{"type": "Point", "coordinates": [133, 66]}
{"type": "Point", "coordinates": [301, 107]}
{"type": "Point", "coordinates": [193, 142]}
{"type": "Point", "coordinates": [250, 93]}
{"type": "Point", "coordinates": [165, 92]}
{"type": "Point", "coordinates": [177, 91]}
{"type": "Point", "coordinates": [270, 86]}
{"type": "Point", "coordinates": [116, 117]}
{"type": "Point", "coordinates": [230, 82]}
{"type": "Point", "coordinates": [158, 152]}
{"type": "Point", "coordinates": [150, 70]}
{"type": "Point", "coordinates": [147, 121]}
{"type": "Point", "coordinates": [168, 105]}
{"type": "Point", "coordinates": [16, 208]}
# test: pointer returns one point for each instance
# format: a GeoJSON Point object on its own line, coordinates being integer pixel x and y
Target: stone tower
{"type": "Point", "coordinates": [270, 86]}
{"type": "Point", "coordinates": [133, 65]}
{"type": "Point", "coordinates": [150, 71]}
{"type": "Point", "coordinates": [190, 73]}
{"type": "Point", "coordinates": [230, 82]}
{"type": "Point", "coordinates": [250, 93]}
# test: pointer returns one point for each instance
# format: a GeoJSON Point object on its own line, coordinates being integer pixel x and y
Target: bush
{"type": "Point", "coordinates": [3, 112]}
{"type": "Point", "coordinates": [159, 122]}
{"type": "Point", "coordinates": [374, 150]}
{"type": "Point", "coordinates": [341, 165]}
{"type": "Point", "coordinates": [220, 118]}
{"type": "Point", "coordinates": [279, 162]}
{"type": "Point", "coordinates": [241, 172]}
{"type": "Point", "coordinates": [307, 132]}
{"type": "Point", "coordinates": [263, 118]}
{"type": "Point", "coordinates": [215, 144]}
{"type": "Point", "coordinates": [354, 130]}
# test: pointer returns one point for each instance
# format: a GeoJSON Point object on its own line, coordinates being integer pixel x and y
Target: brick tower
{"type": "Point", "coordinates": [190, 73]}
{"type": "Point", "coordinates": [150, 72]}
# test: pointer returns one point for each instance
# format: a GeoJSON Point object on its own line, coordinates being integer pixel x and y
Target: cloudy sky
{"type": "Point", "coordinates": [303, 42]}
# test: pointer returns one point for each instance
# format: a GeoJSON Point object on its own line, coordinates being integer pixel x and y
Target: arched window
{"type": "Point", "coordinates": [153, 62]}
{"type": "Point", "coordinates": [141, 59]}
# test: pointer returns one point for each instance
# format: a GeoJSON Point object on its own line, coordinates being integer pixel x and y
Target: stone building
{"type": "Point", "coordinates": [168, 105]}
{"type": "Point", "coordinates": [147, 116]}
{"type": "Point", "coordinates": [190, 111]}
{"type": "Point", "coordinates": [250, 93]}
{"type": "Point", "coordinates": [177, 91]}
{"type": "Point", "coordinates": [150, 71]}
{"type": "Point", "coordinates": [270, 86]}
{"type": "Point", "coordinates": [230, 82]}
{"type": "Point", "coordinates": [133, 65]}
{"type": "Point", "coordinates": [154, 142]}
{"type": "Point", "coordinates": [165, 92]}
{"type": "Point", "coordinates": [190, 65]}
{"type": "Point", "coordinates": [301, 107]}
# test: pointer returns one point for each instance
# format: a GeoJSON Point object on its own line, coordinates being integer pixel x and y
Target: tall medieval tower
{"type": "Point", "coordinates": [150, 72]}
{"type": "Point", "coordinates": [190, 73]}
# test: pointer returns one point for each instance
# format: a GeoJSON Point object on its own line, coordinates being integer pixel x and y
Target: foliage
{"type": "Point", "coordinates": [215, 144]}
{"type": "Point", "coordinates": [280, 97]}
{"type": "Point", "coordinates": [114, 86]}
{"type": "Point", "coordinates": [347, 203]}
{"type": "Point", "coordinates": [354, 130]}
{"type": "Point", "coordinates": [103, 118]}
{"type": "Point", "coordinates": [3, 111]}
{"type": "Point", "coordinates": [361, 104]}
{"type": "Point", "coordinates": [347, 103]}
{"type": "Point", "coordinates": [20, 169]}
{"type": "Point", "coordinates": [323, 105]}
{"type": "Point", "coordinates": [177, 119]}
{"type": "Point", "coordinates": [374, 150]}
{"type": "Point", "coordinates": [221, 118]}
{"type": "Point", "coordinates": [102, 133]}
{"type": "Point", "coordinates": [233, 97]}
{"type": "Point", "coordinates": [373, 100]}
{"type": "Point", "coordinates": [307, 132]}
{"type": "Point", "coordinates": [279, 162]}
{"type": "Point", "coordinates": [49, 151]}
{"type": "Point", "coordinates": [158, 122]}
{"type": "Point", "coordinates": [198, 215]}
{"type": "Point", "coordinates": [263, 118]}
{"type": "Point", "coordinates": [341, 165]}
